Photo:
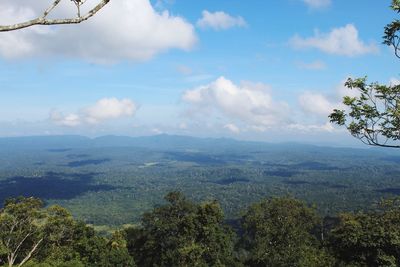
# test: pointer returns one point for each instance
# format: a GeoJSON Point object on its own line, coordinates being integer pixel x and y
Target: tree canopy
{"type": "Point", "coordinates": [272, 232]}
{"type": "Point", "coordinates": [279, 232]}
{"type": "Point", "coordinates": [31, 235]}
{"type": "Point", "coordinates": [368, 238]}
{"type": "Point", "coordinates": [182, 233]}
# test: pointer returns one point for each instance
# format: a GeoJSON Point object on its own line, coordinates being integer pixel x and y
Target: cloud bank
{"type": "Point", "coordinates": [250, 103]}
{"type": "Point", "coordinates": [123, 30]}
{"type": "Point", "coordinates": [250, 108]}
{"type": "Point", "coordinates": [103, 110]}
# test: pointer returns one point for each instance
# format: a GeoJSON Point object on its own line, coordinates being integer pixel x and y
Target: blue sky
{"type": "Point", "coordinates": [256, 70]}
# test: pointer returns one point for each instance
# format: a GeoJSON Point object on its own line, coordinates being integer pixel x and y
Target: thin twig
{"type": "Point", "coordinates": [44, 21]}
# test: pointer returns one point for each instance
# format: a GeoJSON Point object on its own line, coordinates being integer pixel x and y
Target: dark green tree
{"type": "Point", "coordinates": [369, 239]}
{"type": "Point", "coordinates": [96, 251]}
{"type": "Point", "coordinates": [31, 235]}
{"type": "Point", "coordinates": [374, 115]}
{"type": "Point", "coordinates": [279, 232]}
{"type": "Point", "coordinates": [182, 233]}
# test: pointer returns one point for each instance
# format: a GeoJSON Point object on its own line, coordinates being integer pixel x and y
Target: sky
{"type": "Point", "coordinates": [253, 70]}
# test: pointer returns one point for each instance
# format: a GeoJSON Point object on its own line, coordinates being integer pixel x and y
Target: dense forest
{"type": "Point", "coordinates": [111, 181]}
{"type": "Point", "coordinates": [273, 232]}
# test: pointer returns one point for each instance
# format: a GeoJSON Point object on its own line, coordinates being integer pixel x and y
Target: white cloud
{"type": "Point", "coordinates": [340, 41]}
{"type": "Point", "coordinates": [110, 108]}
{"type": "Point", "coordinates": [251, 103]}
{"type": "Point", "coordinates": [252, 106]}
{"type": "Point", "coordinates": [219, 21]}
{"type": "Point", "coordinates": [162, 4]}
{"type": "Point", "coordinates": [69, 120]}
{"type": "Point", "coordinates": [314, 65]}
{"type": "Point", "coordinates": [317, 3]}
{"type": "Point", "coordinates": [316, 103]}
{"type": "Point", "coordinates": [232, 127]}
{"type": "Point", "coordinates": [321, 105]}
{"type": "Point", "coordinates": [103, 110]}
{"type": "Point", "coordinates": [327, 127]}
{"type": "Point", "coordinates": [157, 131]}
{"type": "Point", "coordinates": [123, 30]}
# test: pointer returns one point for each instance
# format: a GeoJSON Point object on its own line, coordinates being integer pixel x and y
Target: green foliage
{"type": "Point", "coordinates": [274, 232]}
{"type": "Point", "coordinates": [98, 251]}
{"type": "Point", "coordinates": [55, 263]}
{"type": "Point", "coordinates": [20, 229]}
{"type": "Point", "coordinates": [391, 36]}
{"type": "Point", "coordinates": [369, 239]}
{"type": "Point", "coordinates": [279, 232]}
{"type": "Point", "coordinates": [374, 115]}
{"type": "Point", "coordinates": [182, 233]}
{"type": "Point", "coordinates": [33, 236]}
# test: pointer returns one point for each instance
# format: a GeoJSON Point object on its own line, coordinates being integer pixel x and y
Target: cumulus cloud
{"type": "Point", "coordinates": [124, 30]}
{"type": "Point", "coordinates": [251, 103]}
{"type": "Point", "coordinates": [110, 108]}
{"type": "Point", "coordinates": [317, 3]}
{"type": "Point", "coordinates": [250, 108]}
{"type": "Point", "coordinates": [103, 110]}
{"type": "Point", "coordinates": [219, 21]}
{"type": "Point", "coordinates": [340, 41]}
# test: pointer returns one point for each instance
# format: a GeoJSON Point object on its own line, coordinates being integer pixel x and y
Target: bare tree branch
{"type": "Point", "coordinates": [30, 253]}
{"type": "Point", "coordinates": [47, 12]}
{"type": "Point", "coordinates": [44, 21]}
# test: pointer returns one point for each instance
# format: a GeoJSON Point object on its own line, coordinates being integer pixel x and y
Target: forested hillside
{"type": "Point", "coordinates": [273, 232]}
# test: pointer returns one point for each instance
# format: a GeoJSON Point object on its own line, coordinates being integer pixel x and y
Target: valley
{"type": "Point", "coordinates": [112, 181]}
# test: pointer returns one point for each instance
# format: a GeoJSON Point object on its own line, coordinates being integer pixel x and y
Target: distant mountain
{"type": "Point", "coordinates": [44, 142]}
{"type": "Point", "coordinates": [156, 142]}
{"type": "Point", "coordinates": [176, 142]}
